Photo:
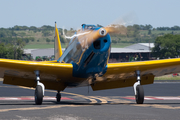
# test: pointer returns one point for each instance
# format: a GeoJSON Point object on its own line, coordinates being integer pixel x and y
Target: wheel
{"type": "Point", "coordinates": [139, 94]}
{"type": "Point", "coordinates": [58, 97]}
{"type": "Point", "coordinates": [38, 95]}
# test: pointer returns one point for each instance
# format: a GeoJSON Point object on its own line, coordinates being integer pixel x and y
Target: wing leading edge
{"type": "Point", "coordinates": [53, 75]}
{"type": "Point", "coordinates": [123, 74]}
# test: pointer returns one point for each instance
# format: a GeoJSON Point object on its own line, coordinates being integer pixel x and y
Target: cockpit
{"type": "Point", "coordinates": [74, 51]}
{"type": "Point", "coordinates": [88, 27]}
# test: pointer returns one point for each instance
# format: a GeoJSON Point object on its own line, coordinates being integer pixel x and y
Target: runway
{"type": "Point", "coordinates": [162, 101]}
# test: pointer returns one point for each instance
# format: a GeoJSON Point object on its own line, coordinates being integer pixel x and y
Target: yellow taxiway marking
{"type": "Point", "coordinates": [91, 98]}
{"type": "Point", "coordinates": [39, 108]}
{"type": "Point", "coordinates": [116, 100]}
{"type": "Point", "coordinates": [157, 106]}
{"type": "Point", "coordinates": [9, 86]}
{"type": "Point", "coordinates": [103, 100]}
{"type": "Point", "coordinates": [82, 96]}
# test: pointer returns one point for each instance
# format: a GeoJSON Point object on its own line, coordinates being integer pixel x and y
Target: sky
{"type": "Point", "coordinates": [73, 13]}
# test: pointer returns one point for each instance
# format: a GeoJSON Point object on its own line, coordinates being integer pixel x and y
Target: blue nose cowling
{"type": "Point", "coordinates": [94, 59]}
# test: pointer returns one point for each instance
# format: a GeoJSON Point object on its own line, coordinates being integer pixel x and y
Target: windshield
{"type": "Point", "coordinates": [72, 53]}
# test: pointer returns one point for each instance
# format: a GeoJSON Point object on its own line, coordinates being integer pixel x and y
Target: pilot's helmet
{"type": "Point", "coordinates": [90, 27]}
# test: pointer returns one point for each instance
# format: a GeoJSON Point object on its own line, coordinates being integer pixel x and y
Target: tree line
{"type": "Point", "coordinates": [167, 46]}
{"type": "Point", "coordinates": [134, 33]}
{"type": "Point", "coordinates": [169, 28]}
{"type": "Point", "coordinates": [12, 40]}
{"type": "Point", "coordinates": [48, 27]}
{"type": "Point", "coordinates": [13, 50]}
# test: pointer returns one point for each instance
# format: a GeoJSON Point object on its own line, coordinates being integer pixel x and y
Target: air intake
{"type": "Point", "coordinates": [97, 44]}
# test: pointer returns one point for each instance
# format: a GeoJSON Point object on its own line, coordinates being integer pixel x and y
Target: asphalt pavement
{"type": "Point", "coordinates": [162, 102]}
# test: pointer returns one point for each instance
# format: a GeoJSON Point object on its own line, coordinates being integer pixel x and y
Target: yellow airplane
{"type": "Point", "coordinates": [85, 62]}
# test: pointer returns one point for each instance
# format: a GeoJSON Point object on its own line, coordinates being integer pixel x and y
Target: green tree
{"type": "Point", "coordinates": [12, 51]}
{"type": "Point", "coordinates": [65, 31]}
{"type": "Point", "coordinates": [62, 39]}
{"type": "Point", "coordinates": [48, 40]}
{"type": "Point", "coordinates": [47, 27]}
{"type": "Point", "coordinates": [60, 31]}
{"type": "Point", "coordinates": [26, 40]}
{"type": "Point", "coordinates": [137, 27]}
{"type": "Point", "coordinates": [167, 46]}
{"type": "Point", "coordinates": [71, 29]}
{"type": "Point", "coordinates": [32, 39]}
{"type": "Point", "coordinates": [2, 50]}
{"type": "Point", "coordinates": [46, 33]}
{"type": "Point", "coordinates": [22, 34]}
{"type": "Point", "coordinates": [9, 52]}
{"type": "Point", "coordinates": [32, 28]}
{"type": "Point", "coordinates": [25, 28]}
{"type": "Point", "coordinates": [17, 48]}
{"type": "Point", "coordinates": [2, 34]}
{"type": "Point", "coordinates": [114, 41]}
{"type": "Point", "coordinates": [149, 32]}
{"type": "Point", "coordinates": [16, 27]}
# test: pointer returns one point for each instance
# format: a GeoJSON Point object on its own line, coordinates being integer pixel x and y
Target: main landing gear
{"type": "Point", "coordinates": [138, 89]}
{"type": "Point", "coordinates": [39, 91]}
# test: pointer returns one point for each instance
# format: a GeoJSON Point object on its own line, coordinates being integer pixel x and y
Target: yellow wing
{"type": "Point", "coordinates": [53, 75]}
{"type": "Point", "coordinates": [123, 74]}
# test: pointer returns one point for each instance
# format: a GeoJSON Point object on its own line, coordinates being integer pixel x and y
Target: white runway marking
{"type": "Point", "coordinates": [154, 98]}
{"type": "Point", "coordinates": [32, 98]}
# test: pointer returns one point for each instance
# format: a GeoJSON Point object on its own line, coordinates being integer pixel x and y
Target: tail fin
{"type": "Point", "coordinates": [57, 44]}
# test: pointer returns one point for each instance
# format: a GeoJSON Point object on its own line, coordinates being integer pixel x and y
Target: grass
{"type": "Point", "coordinates": [41, 46]}
{"type": "Point", "coordinates": [167, 77]}
{"type": "Point", "coordinates": [142, 32]}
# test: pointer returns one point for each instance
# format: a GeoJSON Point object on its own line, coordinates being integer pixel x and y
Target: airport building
{"type": "Point", "coordinates": [135, 52]}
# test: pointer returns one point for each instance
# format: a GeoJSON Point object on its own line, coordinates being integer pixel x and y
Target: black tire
{"type": "Point", "coordinates": [139, 94]}
{"type": "Point", "coordinates": [38, 95]}
{"type": "Point", "coordinates": [58, 97]}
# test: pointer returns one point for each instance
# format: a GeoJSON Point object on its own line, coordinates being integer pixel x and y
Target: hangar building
{"type": "Point", "coordinates": [135, 52]}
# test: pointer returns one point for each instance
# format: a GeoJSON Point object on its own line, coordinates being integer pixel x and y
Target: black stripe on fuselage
{"type": "Point", "coordinates": [88, 59]}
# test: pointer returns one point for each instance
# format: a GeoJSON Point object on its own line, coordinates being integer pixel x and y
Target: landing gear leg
{"type": "Point", "coordinates": [39, 92]}
{"type": "Point", "coordinates": [58, 96]}
{"type": "Point", "coordinates": [138, 89]}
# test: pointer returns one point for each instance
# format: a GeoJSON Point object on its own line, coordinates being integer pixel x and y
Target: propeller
{"type": "Point", "coordinates": [89, 36]}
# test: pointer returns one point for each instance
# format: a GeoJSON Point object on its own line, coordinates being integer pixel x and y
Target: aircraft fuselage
{"type": "Point", "coordinates": [88, 59]}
